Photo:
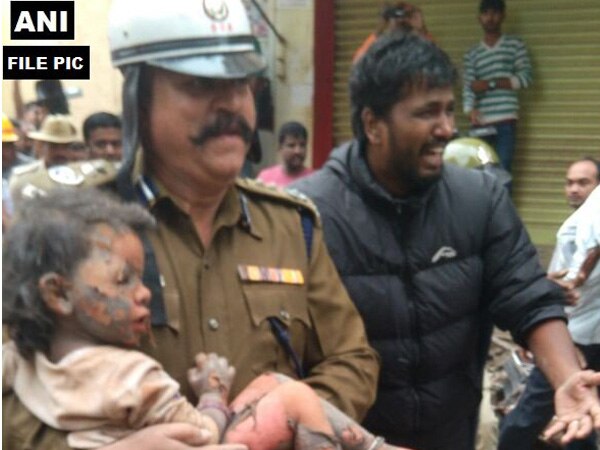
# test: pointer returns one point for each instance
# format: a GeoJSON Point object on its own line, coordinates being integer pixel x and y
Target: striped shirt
{"type": "Point", "coordinates": [508, 58]}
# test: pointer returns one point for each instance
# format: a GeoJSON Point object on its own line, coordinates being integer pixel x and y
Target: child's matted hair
{"type": "Point", "coordinates": [51, 234]}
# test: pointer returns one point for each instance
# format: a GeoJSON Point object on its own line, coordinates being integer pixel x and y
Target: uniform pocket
{"type": "Point", "coordinates": [288, 304]}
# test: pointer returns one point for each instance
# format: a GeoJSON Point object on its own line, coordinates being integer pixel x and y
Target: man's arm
{"type": "Point", "coordinates": [554, 352]}
{"type": "Point", "coordinates": [22, 430]}
{"type": "Point", "coordinates": [582, 273]}
{"type": "Point", "coordinates": [170, 436]}
{"type": "Point", "coordinates": [588, 266]}
{"type": "Point", "coordinates": [343, 367]}
{"type": "Point", "coordinates": [523, 75]}
{"type": "Point", "coordinates": [530, 305]}
{"type": "Point", "coordinates": [587, 241]}
{"type": "Point", "coordinates": [480, 86]}
{"type": "Point", "coordinates": [576, 396]}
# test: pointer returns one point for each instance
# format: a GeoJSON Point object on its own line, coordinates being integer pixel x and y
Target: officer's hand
{"type": "Point", "coordinates": [170, 436]}
{"type": "Point", "coordinates": [577, 407]}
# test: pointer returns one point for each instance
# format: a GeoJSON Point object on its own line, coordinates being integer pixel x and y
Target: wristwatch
{"type": "Point", "coordinates": [492, 85]}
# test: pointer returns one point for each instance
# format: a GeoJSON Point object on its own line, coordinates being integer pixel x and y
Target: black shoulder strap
{"type": "Point", "coordinates": [307, 229]}
{"type": "Point", "coordinates": [283, 337]}
{"type": "Point", "coordinates": [151, 276]}
{"type": "Point", "coordinates": [152, 279]}
{"type": "Point", "coordinates": [281, 333]}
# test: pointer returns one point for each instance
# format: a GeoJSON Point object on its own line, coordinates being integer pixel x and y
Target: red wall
{"type": "Point", "coordinates": [323, 94]}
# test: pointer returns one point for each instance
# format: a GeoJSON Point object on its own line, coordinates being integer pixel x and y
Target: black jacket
{"type": "Point", "coordinates": [429, 274]}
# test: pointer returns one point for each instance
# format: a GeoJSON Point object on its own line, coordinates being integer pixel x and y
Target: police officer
{"type": "Point", "coordinates": [234, 267]}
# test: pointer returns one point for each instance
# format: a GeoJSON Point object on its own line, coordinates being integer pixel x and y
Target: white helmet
{"type": "Point", "coordinates": [206, 38]}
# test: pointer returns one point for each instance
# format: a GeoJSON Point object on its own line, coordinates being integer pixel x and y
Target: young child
{"type": "Point", "coordinates": [75, 306]}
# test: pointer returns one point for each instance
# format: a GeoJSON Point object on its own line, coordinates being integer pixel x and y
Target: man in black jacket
{"type": "Point", "coordinates": [432, 255]}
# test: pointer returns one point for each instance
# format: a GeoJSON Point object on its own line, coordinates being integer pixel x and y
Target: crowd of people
{"type": "Point", "coordinates": [153, 299]}
{"type": "Point", "coordinates": [56, 141]}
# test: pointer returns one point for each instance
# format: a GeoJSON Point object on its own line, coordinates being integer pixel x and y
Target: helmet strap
{"type": "Point", "coordinates": [131, 84]}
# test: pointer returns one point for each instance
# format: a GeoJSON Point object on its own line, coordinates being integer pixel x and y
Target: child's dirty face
{"type": "Point", "coordinates": [110, 302]}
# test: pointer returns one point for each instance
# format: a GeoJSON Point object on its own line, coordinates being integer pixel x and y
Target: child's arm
{"type": "Point", "coordinates": [211, 380]}
{"type": "Point", "coordinates": [170, 436]}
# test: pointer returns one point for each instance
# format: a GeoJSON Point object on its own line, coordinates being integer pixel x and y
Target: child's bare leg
{"type": "Point", "coordinates": [272, 415]}
{"type": "Point", "coordinates": [258, 388]}
{"type": "Point", "coordinates": [347, 431]}
{"type": "Point", "coordinates": [350, 434]}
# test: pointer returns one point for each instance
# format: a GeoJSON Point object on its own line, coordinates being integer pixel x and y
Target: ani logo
{"type": "Point", "coordinates": [216, 9]}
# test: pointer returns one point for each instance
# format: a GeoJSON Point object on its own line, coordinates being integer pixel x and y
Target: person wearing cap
{"type": "Point", "coordinates": [234, 267]}
{"type": "Point", "coordinates": [397, 16]}
{"type": "Point", "coordinates": [55, 146]}
{"type": "Point", "coordinates": [432, 255]}
{"type": "Point", "coordinates": [51, 143]}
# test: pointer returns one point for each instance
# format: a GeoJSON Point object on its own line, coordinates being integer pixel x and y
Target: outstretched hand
{"type": "Point", "coordinates": [577, 407]}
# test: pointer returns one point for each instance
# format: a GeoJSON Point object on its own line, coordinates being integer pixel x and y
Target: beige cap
{"type": "Point", "coordinates": [57, 129]}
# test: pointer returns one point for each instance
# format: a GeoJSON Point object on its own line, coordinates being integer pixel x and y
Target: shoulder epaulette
{"type": "Point", "coordinates": [291, 197]}
{"type": "Point", "coordinates": [30, 167]}
{"type": "Point", "coordinates": [31, 180]}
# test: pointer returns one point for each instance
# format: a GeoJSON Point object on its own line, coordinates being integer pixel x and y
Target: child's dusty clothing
{"type": "Point", "coordinates": [100, 394]}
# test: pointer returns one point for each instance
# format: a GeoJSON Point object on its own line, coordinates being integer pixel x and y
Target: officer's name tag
{"type": "Point", "coordinates": [270, 274]}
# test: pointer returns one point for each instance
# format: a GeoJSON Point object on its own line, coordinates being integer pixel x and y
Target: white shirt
{"type": "Point", "coordinates": [577, 235]}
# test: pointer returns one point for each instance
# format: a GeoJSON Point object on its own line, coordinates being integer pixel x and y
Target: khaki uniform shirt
{"type": "Point", "coordinates": [214, 303]}
{"type": "Point", "coordinates": [218, 299]}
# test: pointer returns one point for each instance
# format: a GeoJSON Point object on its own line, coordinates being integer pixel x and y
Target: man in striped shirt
{"type": "Point", "coordinates": [494, 70]}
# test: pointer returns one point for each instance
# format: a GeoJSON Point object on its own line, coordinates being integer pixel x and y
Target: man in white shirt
{"type": "Point", "coordinates": [575, 261]}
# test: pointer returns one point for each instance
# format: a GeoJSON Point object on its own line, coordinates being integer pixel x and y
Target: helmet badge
{"type": "Point", "coordinates": [216, 9]}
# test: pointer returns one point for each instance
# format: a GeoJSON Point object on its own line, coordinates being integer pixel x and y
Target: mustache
{"type": "Point", "coordinates": [225, 123]}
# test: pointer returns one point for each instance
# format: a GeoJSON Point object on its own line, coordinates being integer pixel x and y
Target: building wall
{"type": "Point", "coordinates": [102, 91]}
{"type": "Point", "coordinates": [291, 68]}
